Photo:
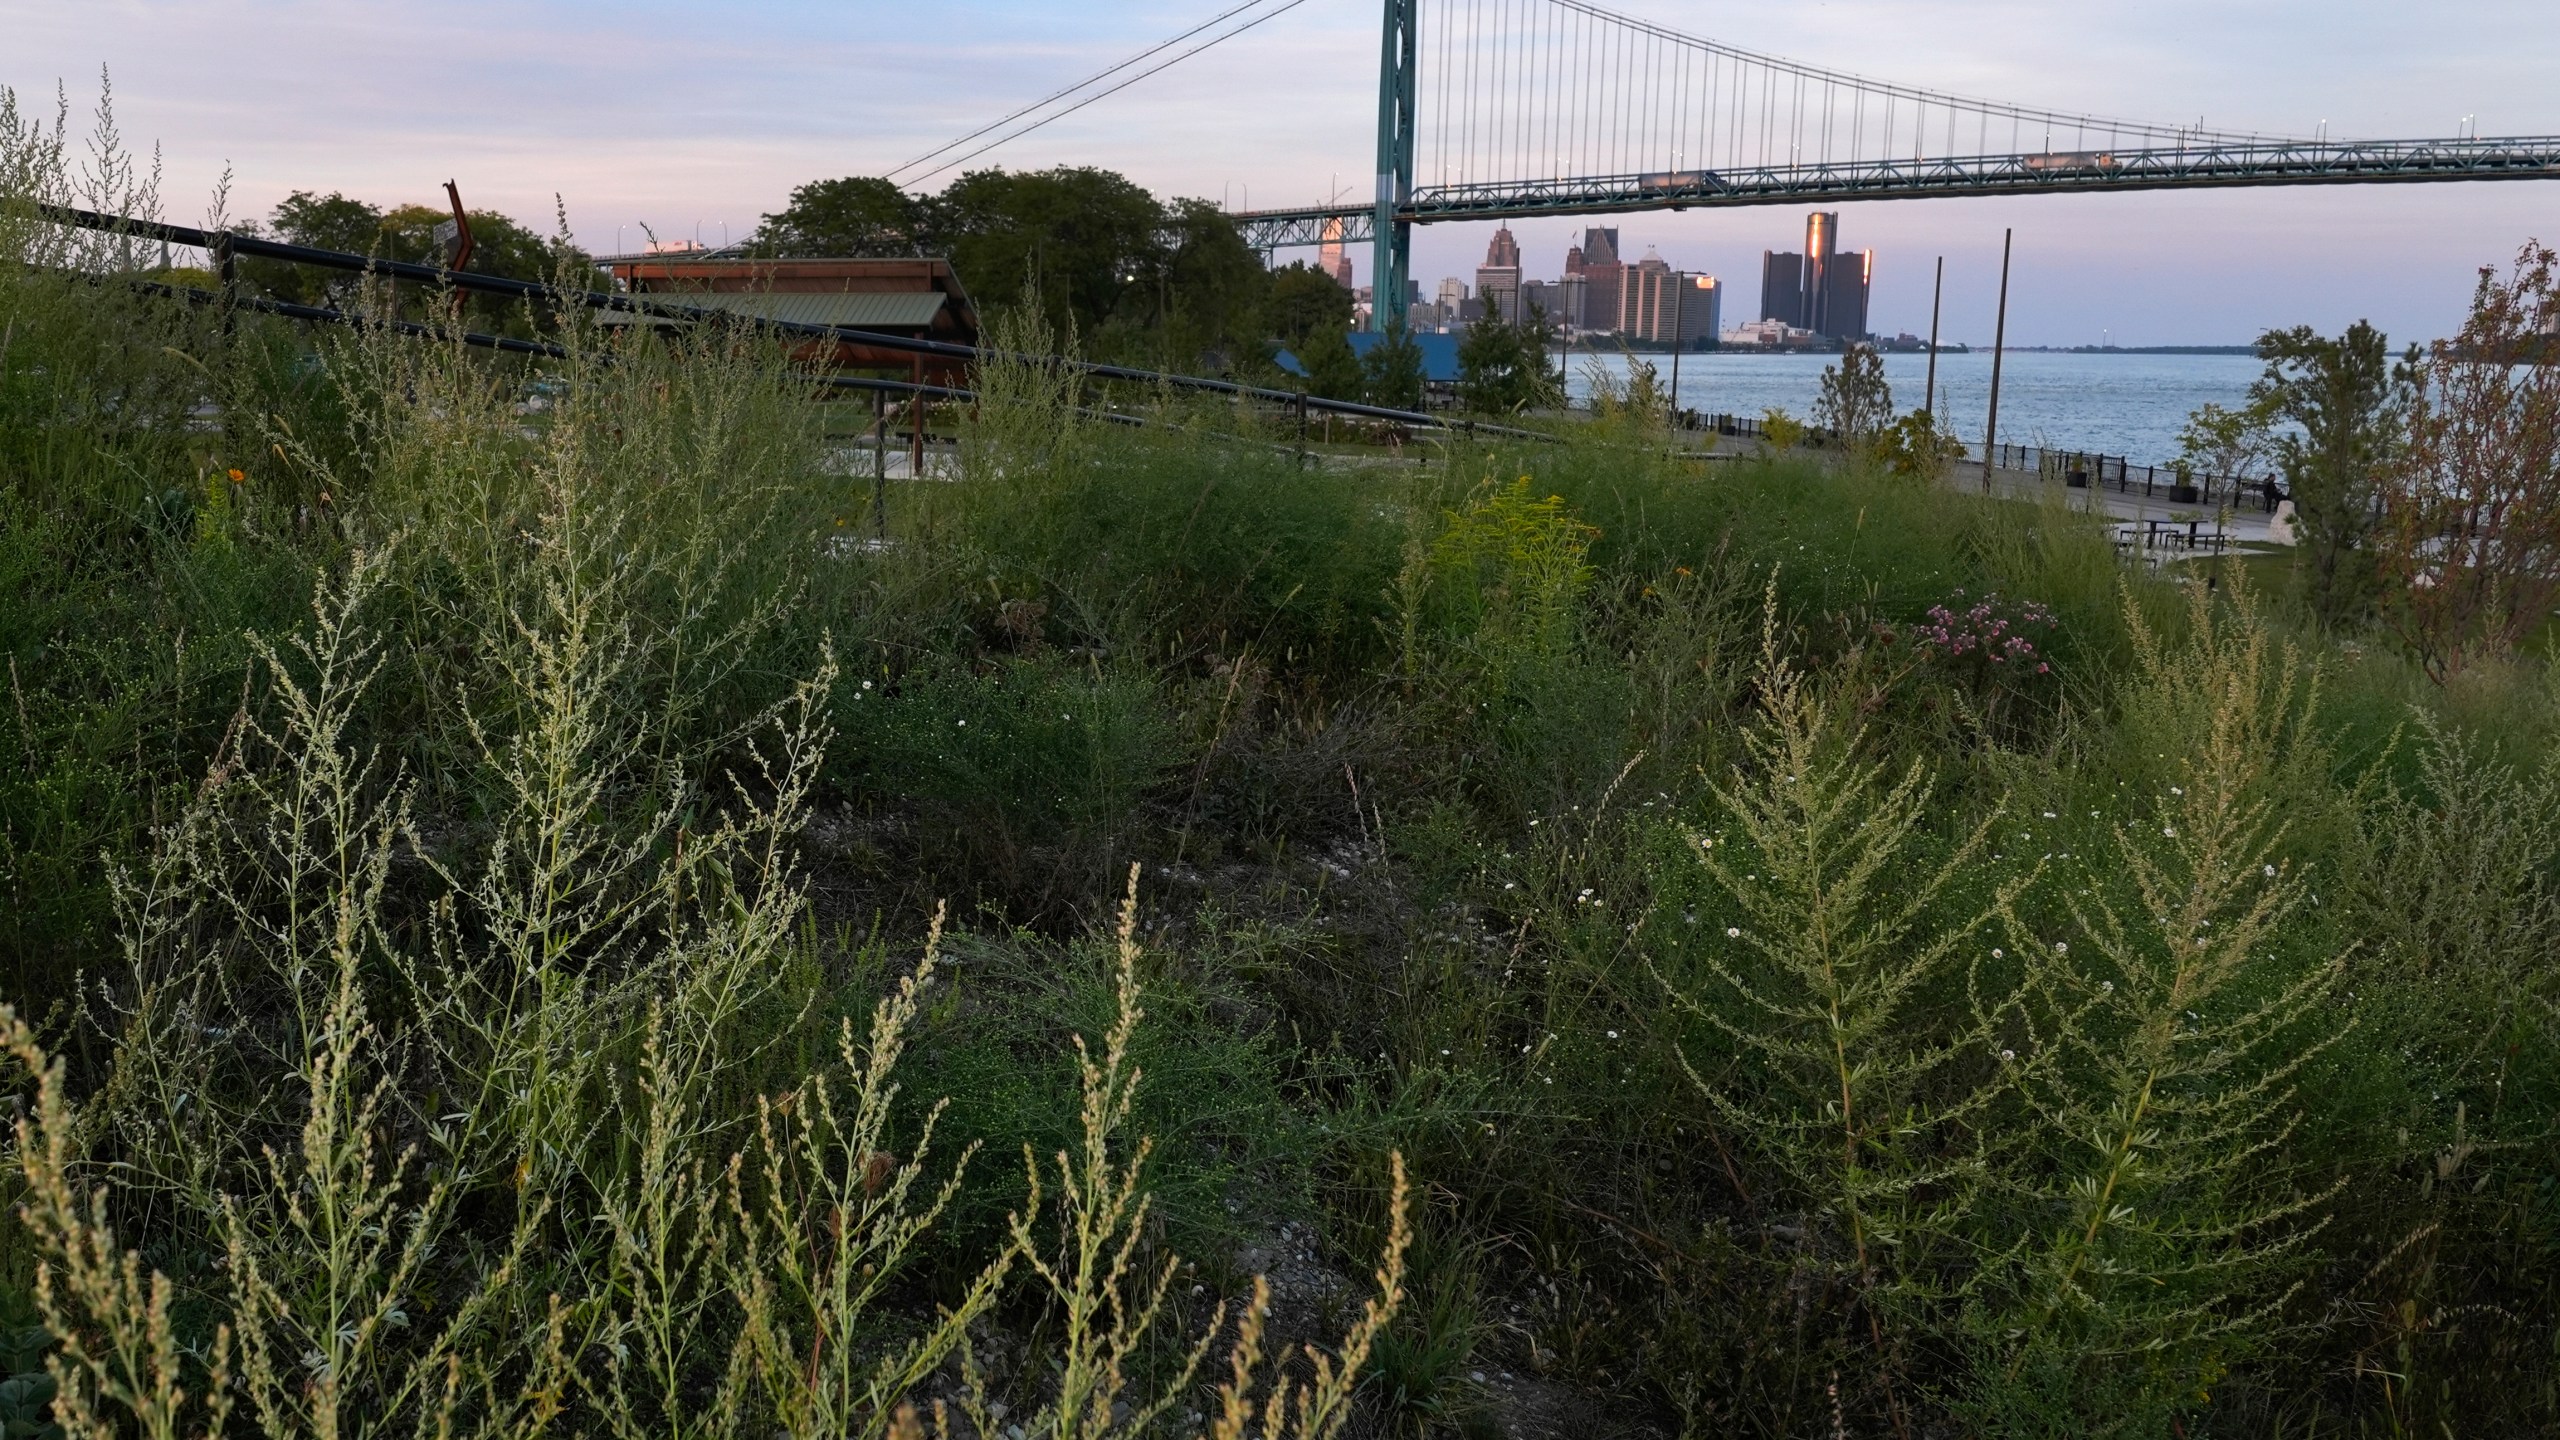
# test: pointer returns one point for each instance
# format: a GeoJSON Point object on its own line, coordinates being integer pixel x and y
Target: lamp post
{"type": "Point", "coordinates": [1679, 334]}
{"type": "Point", "coordinates": [1999, 346]}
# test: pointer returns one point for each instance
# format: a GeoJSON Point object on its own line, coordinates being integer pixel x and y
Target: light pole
{"type": "Point", "coordinates": [1679, 339]}
{"type": "Point", "coordinates": [1999, 346]}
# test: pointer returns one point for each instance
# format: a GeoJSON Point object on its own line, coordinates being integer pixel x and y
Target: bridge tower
{"type": "Point", "coordinates": [1392, 259]}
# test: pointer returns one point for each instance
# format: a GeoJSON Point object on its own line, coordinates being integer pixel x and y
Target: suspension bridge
{"type": "Point", "coordinates": [1504, 109]}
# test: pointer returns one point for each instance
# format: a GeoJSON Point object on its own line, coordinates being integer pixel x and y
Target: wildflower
{"type": "Point", "coordinates": [2169, 830]}
{"type": "Point", "coordinates": [2059, 948]}
{"type": "Point", "coordinates": [1613, 1034]}
{"type": "Point", "coordinates": [236, 476]}
{"type": "Point", "coordinates": [1999, 954]}
{"type": "Point", "coordinates": [1732, 932]}
{"type": "Point", "coordinates": [2008, 1055]}
{"type": "Point", "coordinates": [2271, 872]}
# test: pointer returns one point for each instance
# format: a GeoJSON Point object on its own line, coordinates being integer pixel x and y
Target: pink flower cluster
{"type": "Point", "coordinates": [1989, 629]}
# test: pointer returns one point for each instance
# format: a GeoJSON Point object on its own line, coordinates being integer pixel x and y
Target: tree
{"type": "Point", "coordinates": [1211, 303]}
{"type": "Point", "coordinates": [1505, 368]}
{"type": "Point", "coordinates": [1914, 448]}
{"type": "Point", "coordinates": [1304, 300]}
{"type": "Point", "coordinates": [499, 246]}
{"type": "Point", "coordinates": [1856, 402]}
{"type": "Point", "coordinates": [2220, 440]}
{"type": "Point", "coordinates": [1333, 370]}
{"type": "Point", "coordinates": [1166, 283]}
{"type": "Point", "coordinates": [1075, 240]}
{"type": "Point", "coordinates": [2350, 404]}
{"type": "Point", "coordinates": [856, 215]}
{"type": "Point", "coordinates": [1392, 371]}
{"type": "Point", "coordinates": [2470, 537]}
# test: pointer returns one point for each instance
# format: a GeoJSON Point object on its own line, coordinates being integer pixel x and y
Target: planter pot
{"type": "Point", "coordinates": [2078, 480]}
{"type": "Point", "coordinates": [2185, 494]}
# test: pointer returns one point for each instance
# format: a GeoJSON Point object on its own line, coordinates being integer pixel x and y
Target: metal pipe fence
{"type": "Point", "coordinates": [226, 245]}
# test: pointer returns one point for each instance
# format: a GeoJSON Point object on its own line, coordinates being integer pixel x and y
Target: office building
{"type": "Point", "coordinates": [1595, 261]}
{"type": "Point", "coordinates": [1845, 286]}
{"type": "Point", "coordinates": [1566, 302]}
{"type": "Point", "coordinates": [1663, 306]}
{"type": "Point", "coordinates": [1821, 246]}
{"type": "Point", "coordinates": [1699, 310]}
{"type": "Point", "coordinates": [1498, 278]}
{"type": "Point", "coordinates": [1456, 310]}
{"type": "Point", "coordinates": [1782, 288]}
{"type": "Point", "coordinates": [1330, 257]}
{"type": "Point", "coordinates": [1538, 295]}
{"type": "Point", "coordinates": [1822, 289]}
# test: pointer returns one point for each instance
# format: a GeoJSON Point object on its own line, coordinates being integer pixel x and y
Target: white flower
{"type": "Point", "coordinates": [2061, 949]}
{"type": "Point", "coordinates": [2271, 872]}
{"type": "Point", "coordinates": [866, 684]}
{"type": "Point", "coordinates": [2174, 790]}
{"type": "Point", "coordinates": [1732, 932]}
{"type": "Point", "coordinates": [2169, 830]}
{"type": "Point", "coordinates": [1613, 1034]}
{"type": "Point", "coordinates": [2007, 1055]}
{"type": "Point", "coordinates": [2107, 986]}
{"type": "Point", "coordinates": [1999, 954]}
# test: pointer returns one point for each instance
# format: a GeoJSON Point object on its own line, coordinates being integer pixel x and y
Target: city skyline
{"type": "Point", "coordinates": [683, 119]}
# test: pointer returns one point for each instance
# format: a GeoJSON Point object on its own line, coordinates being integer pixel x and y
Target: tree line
{"type": "Point", "coordinates": [1128, 277]}
{"type": "Point", "coordinates": [2425, 486]}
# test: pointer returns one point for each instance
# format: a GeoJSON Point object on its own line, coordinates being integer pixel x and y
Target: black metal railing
{"type": "Point", "coordinates": [225, 246]}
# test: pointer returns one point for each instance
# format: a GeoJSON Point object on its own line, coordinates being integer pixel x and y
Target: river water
{"type": "Point", "coordinates": [2128, 405]}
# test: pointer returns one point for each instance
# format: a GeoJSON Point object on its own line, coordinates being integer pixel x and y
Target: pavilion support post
{"type": "Point", "coordinates": [880, 464]}
{"type": "Point", "coordinates": [915, 408]}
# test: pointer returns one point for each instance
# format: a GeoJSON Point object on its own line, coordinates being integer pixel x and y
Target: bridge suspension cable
{"type": "Point", "coordinates": [911, 173]}
{"type": "Point", "coordinates": [1531, 89]}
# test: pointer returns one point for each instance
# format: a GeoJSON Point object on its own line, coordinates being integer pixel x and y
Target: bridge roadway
{"type": "Point", "coordinates": [2210, 166]}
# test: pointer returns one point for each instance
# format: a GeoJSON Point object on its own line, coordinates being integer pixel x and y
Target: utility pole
{"type": "Point", "coordinates": [1999, 346]}
{"type": "Point", "coordinates": [1399, 54]}
{"type": "Point", "coordinates": [1937, 292]}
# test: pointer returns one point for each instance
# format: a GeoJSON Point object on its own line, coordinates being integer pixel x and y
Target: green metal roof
{"type": "Point", "coordinates": [903, 310]}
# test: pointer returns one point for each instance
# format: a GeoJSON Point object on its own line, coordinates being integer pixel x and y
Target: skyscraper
{"type": "Point", "coordinates": [1452, 304]}
{"type": "Point", "coordinates": [1596, 262]}
{"type": "Point", "coordinates": [1821, 247]}
{"type": "Point", "coordinates": [1644, 299]}
{"type": "Point", "coordinates": [1498, 278]}
{"type": "Point", "coordinates": [1782, 288]}
{"type": "Point", "coordinates": [1824, 289]}
{"type": "Point", "coordinates": [1698, 312]}
{"type": "Point", "coordinates": [1845, 294]}
{"type": "Point", "coordinates": [1667, 306]}
{"type": "Point", "coordinates": [1329, 256]}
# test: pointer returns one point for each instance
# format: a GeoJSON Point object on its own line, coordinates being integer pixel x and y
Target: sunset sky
{"type": "Point", "coordinates": [691, 118]}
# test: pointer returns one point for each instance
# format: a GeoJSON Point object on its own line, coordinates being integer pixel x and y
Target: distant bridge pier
{"type": "Point", "coordinates": [1391, 233]}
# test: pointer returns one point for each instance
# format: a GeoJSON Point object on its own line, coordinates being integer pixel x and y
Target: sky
{"type": "Point", "coordinates": [692, 119]}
